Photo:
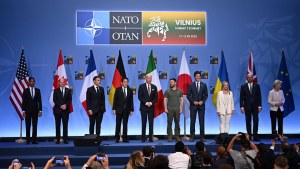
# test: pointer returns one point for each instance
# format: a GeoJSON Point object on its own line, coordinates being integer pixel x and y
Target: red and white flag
{"type": "Point", "coordinates": [251, 68]}
{"type": "Point", "coordinates": [91, 72]}
{"type": "Point", "coordinates": [183, 82]}
{"type": "Point", "coordinates": [20, 83]}
{"type": "Point", "coordinates": [60, 73]}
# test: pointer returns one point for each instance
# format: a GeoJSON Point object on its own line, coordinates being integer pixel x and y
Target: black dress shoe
{"type": "Point", "coordinates": [150, 140]}
{"type": "Point", "coordinates": [66, 142]}
{"type": "Point", "coordinates": [35, 142]}
{"type": "Point", "coordinates": [125, 141]}
{"type": "Point", "coordinates": [27, 142]}
{"type": "Point", "coordinates": [117, 141]}
{"type": "Point", "coordinates": [143, 140]}
{"type": "Point", "coordinates": [57, 142]}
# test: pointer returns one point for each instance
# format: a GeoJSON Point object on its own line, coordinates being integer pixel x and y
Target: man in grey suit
{"type": "Point", "coordinates": [197, 95]}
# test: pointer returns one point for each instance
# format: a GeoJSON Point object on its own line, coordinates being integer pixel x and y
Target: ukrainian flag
{"type": "Point", "coordinates": [222, 76]}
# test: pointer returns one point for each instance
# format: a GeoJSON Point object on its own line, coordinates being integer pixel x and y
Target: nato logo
{"type": "Point", "coordinates": [92, 28]}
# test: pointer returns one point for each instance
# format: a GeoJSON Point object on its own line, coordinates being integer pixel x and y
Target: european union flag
{"type": "Point", "coordinates": [283, 75]}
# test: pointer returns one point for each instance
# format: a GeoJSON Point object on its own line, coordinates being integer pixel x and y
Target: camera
{"type": "Point", "coordinates": [59, 161]}
{"type": "Point", "coordinates": [242, 135]}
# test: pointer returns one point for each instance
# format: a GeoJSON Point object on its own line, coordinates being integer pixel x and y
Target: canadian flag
{"type": "Point", "coordinates": [59, 74]}
{"type": "Point", "coordinates": [183, 82]}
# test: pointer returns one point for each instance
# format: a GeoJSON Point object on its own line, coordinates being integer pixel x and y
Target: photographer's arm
{"type": "Point", "coordinates": [230, 145]}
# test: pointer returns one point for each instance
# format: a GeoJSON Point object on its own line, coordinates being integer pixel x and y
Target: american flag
{"type": "Point", "coordinates": [251, 68]}
{"type": "Point", "coordinates": [20, 83]}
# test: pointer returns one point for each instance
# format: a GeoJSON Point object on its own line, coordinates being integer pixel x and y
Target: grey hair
{"type": "Point", "coordinates": [276, 82]}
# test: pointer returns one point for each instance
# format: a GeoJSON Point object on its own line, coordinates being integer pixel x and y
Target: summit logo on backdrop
{"type": "Point", "coordinates": [102, 27]}
{"type": "Point", "coordinates": [98, 27]}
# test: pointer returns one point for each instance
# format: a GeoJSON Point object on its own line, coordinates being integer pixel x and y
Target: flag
{"type": "Point", "coordinates": [151, 69]}
{"type": "Point", "coordinates": [283, 75]}
{"type": "Point", "coordinates": [20, 83]}
{"type": "Point", "coordinates": [222, 76]}
{"type": "Point", "coordinates": [183, 82]}
{"type": "Point", "coordinates": [251, 68]}
{"type": "Point", "coordinates": [59, 74]}
{"type": "Point", "coordinates": [116, 82]}
{"type": "Point", "coordinates": [91, 72]}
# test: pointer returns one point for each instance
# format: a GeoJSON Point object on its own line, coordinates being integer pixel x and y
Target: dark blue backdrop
{"type": "Point", "coordinates": [43, 27]}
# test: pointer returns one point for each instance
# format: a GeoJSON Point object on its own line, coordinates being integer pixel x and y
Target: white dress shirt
{"type": "Point", "coordinates": [178, 160]}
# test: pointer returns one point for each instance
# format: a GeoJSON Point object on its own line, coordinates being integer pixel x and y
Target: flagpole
{"type": "Point", "coordinates": [185, 137]}
{"type": "Point", "coordinates": [20, 140]}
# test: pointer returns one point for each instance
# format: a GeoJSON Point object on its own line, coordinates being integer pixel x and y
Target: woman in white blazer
{"type": "Point", "coordinates": [225, 107]}
{"type": "Point", "coordinates": [276, 101]}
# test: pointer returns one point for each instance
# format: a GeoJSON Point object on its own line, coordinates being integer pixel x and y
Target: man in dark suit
{"type": "Point", "coordinates": [147, 94]}
{"type": "Point", "coordinates": [197, 95]}
{"type": "Point", "coordinates": [32, 109]}
{"type": "Point", "coordinates": [122, 108]}
{"type": "Point", "coordinates": [250, 103]}
{"type": "Point", "coordinates": [62, 98]}
{"type": "Point", "coordinates": [95, 102]}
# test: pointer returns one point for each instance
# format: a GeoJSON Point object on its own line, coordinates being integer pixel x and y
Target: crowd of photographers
{"type": "Point", "coordinates": [248, 156]}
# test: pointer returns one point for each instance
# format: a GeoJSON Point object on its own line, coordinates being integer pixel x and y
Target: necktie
{"type": "Point", "coordinates": [125, 96]}
{"type": "Point", "coordinates": [251, 87]}
{"type": "Point", "coordinates": [62, 91]}
{"type": "Point", "coordinates": [97, 90]}
{"type": "Point", "coordinates": [32, 92]}
{"type": "Point", "coordinates": [149, 90]}
{"type": "Point", "coordinates": [198, 88]}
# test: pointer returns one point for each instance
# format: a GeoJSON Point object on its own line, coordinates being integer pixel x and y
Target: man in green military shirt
{"type": "Point", "coordinates": [173, 101]}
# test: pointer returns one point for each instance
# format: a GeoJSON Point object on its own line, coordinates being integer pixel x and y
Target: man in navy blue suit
{"type": "Point", "coordinates": [197, 95]}
{"type": "Point", "coordinates": [148, 96]}
{"type": "Point", "coordinates": [250, 103]}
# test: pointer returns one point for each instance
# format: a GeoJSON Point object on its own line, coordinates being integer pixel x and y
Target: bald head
{"type": "Point", "coordinates": [249, 77]}
{"type": "Point", "coordinates": [148, 78]}
{"type": "Point", "coordinates": [61, 82]}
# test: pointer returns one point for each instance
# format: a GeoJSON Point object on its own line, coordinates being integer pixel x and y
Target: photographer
{"type": "Point", "coordinates": [19, 165]}
{"type": "Point", "coordinates": [94, 162]}
{"type": "Point", "coordinates": [244, 158]}
{"type": "Point", "coordinates": [52, 162]}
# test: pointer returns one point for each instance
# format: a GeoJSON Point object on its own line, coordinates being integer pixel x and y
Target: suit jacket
{"type": "Point", "coordinates": [29, 104]}
{"type": "Point", "coordinates": [194, 95]}
{"type": "Point", "coordinates": [95, 101]}
{"type": "Point", "coordinates": [249, 101]}
{"type": "Point", "coordinates": [221, 107]}
{"type": "Point", "coordinates": [273, 99]}
{"type": "Point", "coordinates": [144, 97]}
{"type": "Point", "coordinates": [60, 100]}
{"type": "Point", "coordinates": [121, 104]}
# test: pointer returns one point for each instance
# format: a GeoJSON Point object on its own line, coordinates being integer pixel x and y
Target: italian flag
{"type": "Point", "coordinates": [151, 69]}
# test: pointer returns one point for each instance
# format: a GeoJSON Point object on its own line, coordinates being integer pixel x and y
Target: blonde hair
{"type": "Point", "coordinates": [223, 83]}
{"type": "Point", "coordinates": [135, 160]}
{"type": "Point", "coordinates": [276, 82]}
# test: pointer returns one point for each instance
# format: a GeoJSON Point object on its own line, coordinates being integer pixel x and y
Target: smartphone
{"type": "Point", "coordinates": [99, 158]}
{"type": "Point", "coordinates": [59, 162]}
{"type": "Point", "coordinates": [24, 167]}
{"type": "Point", "coordinates": [16, 161]}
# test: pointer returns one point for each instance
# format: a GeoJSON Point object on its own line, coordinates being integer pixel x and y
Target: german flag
{"type": "Point", "coordinates": [116, 82]}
